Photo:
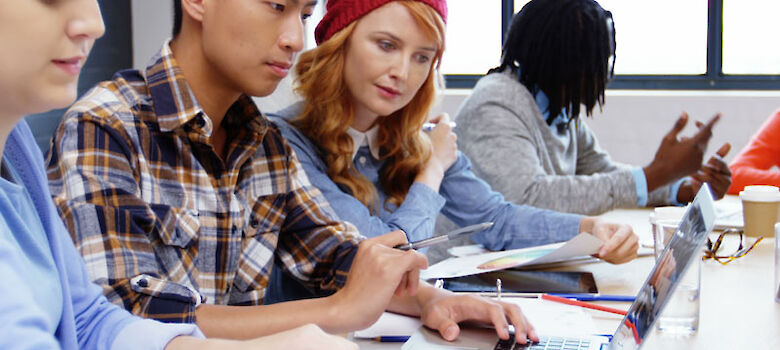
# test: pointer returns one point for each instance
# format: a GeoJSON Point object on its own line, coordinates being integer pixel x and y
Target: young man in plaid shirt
{"type": "Point", "coordinates": [182, 197]}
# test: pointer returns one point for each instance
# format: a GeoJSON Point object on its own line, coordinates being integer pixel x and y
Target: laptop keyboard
{"type": "Point", "coordinates": [545, 343]}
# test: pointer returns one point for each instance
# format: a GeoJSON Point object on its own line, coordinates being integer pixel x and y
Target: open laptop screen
{"type": "Point", "coordinates": [682, 248]}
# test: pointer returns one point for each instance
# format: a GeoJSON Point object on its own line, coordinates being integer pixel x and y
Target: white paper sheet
{"type": "Point", "coordinates": [583, 244]}
{"type": "Point", "coordinates": [728, 214]}
{"type": "Point", "coordinates": [547, 318]}
{"type": "Point", "coordinates": [390, 324]}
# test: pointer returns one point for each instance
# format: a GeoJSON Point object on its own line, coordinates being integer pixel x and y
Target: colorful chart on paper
{"type": "Point", "coordinates": [513, 260]}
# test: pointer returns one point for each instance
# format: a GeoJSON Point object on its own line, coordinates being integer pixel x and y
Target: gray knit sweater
{"type": "Point", "coordinates": [511, 146]}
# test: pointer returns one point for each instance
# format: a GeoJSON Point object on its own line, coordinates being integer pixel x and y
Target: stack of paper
{"type": "Point", "coordinates": [582, 245]}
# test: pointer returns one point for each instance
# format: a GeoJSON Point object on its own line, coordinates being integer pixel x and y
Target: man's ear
{"type": "Point", "coordinates": [193, 9]}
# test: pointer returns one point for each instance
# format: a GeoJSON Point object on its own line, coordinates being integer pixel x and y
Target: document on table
{"type": "Point", "coordinates": [728, 214]}
{"type": "Point", "coordinates": [583, 244]}
{"type": "Point", "coordinates": [547, 318]}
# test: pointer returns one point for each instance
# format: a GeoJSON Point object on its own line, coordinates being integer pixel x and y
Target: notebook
{"type": "Point", "coordinates": [687, 241]}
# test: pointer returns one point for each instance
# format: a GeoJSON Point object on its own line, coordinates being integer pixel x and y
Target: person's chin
{"type": "Point", "coordinates": [264, 89]}
{"type": "Point", "coordinates": [57, 99]}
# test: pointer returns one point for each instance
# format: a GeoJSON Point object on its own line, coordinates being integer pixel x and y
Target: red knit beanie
{"type": "Point", "coordinates": [341, 13]}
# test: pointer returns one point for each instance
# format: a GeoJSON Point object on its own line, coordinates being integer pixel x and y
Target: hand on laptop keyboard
{"type": "Point", "coordinates": [546, 343]}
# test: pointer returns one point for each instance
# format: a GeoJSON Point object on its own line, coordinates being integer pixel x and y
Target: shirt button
{"type": "Point", "coordinates": [143, 283]}
{"type": "Point", "coordinates": [254, 222]}
{"type": "Point", "coordinates": [234, 228]}
{"type": "Point", "coordinates": [362, 160]}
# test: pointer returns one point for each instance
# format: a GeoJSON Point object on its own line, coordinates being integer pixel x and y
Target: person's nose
{"type": "Point", "coordinates": [86, 22]}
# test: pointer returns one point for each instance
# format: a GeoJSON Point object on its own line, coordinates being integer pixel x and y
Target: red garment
{"type": "Point", "coordinates": [340, 13]}
{"type": "Point", "coordinates": [753, 166]}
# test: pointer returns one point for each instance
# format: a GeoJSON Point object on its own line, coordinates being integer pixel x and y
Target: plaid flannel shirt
{"type": "Point", "coordinates": [163, 223]}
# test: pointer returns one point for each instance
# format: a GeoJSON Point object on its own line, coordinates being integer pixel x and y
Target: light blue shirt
{"type": "Point", "coordinates": [639, 174]}
{"type": "Point", "coordinates": [462, 197]}
{"type": "Point", "coordinates": [24, 232]}
{"type": "Point", "coordinates": [77, 315]}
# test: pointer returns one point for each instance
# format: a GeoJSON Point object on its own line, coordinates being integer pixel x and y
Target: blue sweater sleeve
{"type": "Point", "coordinates": [470, 200]}
{"type": "Point", "coordinates": [23, 322]}
{"type": "Point", "coordinates": [89, 319]}
{"type": "Point", "coordinates": [416, 216]}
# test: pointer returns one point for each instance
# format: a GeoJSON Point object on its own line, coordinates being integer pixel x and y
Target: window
{"type": "Point", "coordinates": [662, 44]}
{"type": "Point", "coordinates": [475, 48]}
{"type": "Point", "coordinates": [751, 40]}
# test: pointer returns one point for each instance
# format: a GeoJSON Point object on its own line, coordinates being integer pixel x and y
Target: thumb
{"type": "Point", "coordinates": [724, 150]}
{"type": "Point", "coordinates": [390, 239]}
{"type": "Point", "coordinates": [448, 328]}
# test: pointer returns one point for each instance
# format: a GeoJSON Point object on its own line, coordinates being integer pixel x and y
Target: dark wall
{"type": "Point", "coordinates": [112, 52]}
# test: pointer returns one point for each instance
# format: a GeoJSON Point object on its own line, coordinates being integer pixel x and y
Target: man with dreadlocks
{"type": "Point", "coordinates": [522, 130]}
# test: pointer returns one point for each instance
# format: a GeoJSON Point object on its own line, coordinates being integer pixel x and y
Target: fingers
{"type": "Point", "coordinates": [705, 132]}
{"type": "Point", "coordinates": [498, 319]}
{"type": "Point", "coordinates": [413, 282]}
{"type": "Point", "coordinates": [401, 288]}
{"type": "Point", "coordinates": [679, 125]}
{"type": "Point", "coordinates": [621, 247]}
{"type": "Point", "coordinates": [443, 117]}
{"type": "Point", "coordinates": [523, 329]}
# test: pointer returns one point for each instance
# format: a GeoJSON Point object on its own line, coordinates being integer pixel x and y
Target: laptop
{"type": "Point", "coordinates": [683, 247]}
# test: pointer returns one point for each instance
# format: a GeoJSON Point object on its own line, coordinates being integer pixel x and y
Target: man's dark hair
{"type": "Point", "coordinates": [176, 17]}
{"type": "Point", "coordinates": [563, 48]}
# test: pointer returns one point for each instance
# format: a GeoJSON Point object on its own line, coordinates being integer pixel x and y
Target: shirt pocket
{"type": "Point", "coordinates": [176, 227]}
{"type": "Point", "coordinates": [261, 235]}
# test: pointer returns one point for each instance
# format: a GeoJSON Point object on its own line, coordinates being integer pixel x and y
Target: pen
{"type": "Point", "coordinates": [599, 297]}
{"type": "Point", "coordinates": [392, 338]}
{"type": "Point", "coordinates": [582, 304]}
{"type": "Point", "coordinates": [431, 126]}
{"type": "Point", "coordinates": [444, 238]}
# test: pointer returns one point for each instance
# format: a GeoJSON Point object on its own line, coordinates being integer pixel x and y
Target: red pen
{"type": "Point", "coordinates": [583, 304]}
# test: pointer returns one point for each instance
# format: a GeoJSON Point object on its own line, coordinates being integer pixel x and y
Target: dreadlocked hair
{"type": "Point", "coordinates": [565, 48]}
{"type": "Point", "coordinates": [328, 113]}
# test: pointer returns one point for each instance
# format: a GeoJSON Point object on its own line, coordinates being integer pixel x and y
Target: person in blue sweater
{"type": "Point", "coordinates": [367, 90]}
{"type": "Point", "coordinates": [48, 301]}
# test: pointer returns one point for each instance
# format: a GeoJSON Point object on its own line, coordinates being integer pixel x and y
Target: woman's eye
{"type": "Point", "coordinates": [386, 45]}
{"type": "Point", "coordinates": [277, 7]}
{"type": "Point", "coordinates": [305, 16]}
{"type": "Point", "coordinates": [423, 59]}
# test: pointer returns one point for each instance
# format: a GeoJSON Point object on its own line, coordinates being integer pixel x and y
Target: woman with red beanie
{"type": "Point", "coordinates": [367, 89]}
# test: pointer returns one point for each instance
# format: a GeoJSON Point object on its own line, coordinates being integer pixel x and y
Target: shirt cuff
{"type": "Point", "coordinates": [673, 190]}
{"type": "Point", "coordinates": [641, 186]}
{"type": "Point", "coordinates": [150, 334]}
{"type": "Point", "coordinates": [419, 211]}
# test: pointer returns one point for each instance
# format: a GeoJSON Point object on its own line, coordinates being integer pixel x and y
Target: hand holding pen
{"type": "Point", "coordinates": [445, 237]}
{"type": "Point", "coordinates": [444, 152]}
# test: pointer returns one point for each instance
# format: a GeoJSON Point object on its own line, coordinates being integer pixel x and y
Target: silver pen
{"type": "Point", "coordinates": [444, 238]}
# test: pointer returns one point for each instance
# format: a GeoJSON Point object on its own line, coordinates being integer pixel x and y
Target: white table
{"type": "Point", "coordinates": [737, 305]}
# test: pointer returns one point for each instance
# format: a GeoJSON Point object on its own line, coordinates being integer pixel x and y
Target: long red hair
{"type": "Point", "coordinates": [328, 114]}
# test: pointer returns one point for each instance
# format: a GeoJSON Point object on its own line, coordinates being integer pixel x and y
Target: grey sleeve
{"type": "Point", "coordinates": [592, 160]}
{"type": "Point", "coordinates": [503, 149]}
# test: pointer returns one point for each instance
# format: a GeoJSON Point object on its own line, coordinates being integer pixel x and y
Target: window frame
{"type": "Point", "coordinates": [713, 79]}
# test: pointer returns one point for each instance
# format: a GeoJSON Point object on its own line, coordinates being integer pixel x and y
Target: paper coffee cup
{"type": "Point", "coordinates": [760, 210]}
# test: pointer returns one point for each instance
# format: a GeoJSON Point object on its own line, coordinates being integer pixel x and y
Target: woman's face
{"type": "Point", "coordinates": [44, 44]}
{"type": "Point", "coordinates": [388, 59]}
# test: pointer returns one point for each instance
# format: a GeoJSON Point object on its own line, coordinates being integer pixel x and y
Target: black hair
{"type": "Point", "coordinates": [563, 48]}
{"type": "Point", "coordinates": [176, 17]}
